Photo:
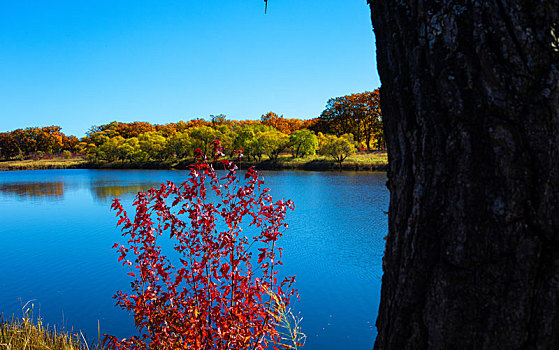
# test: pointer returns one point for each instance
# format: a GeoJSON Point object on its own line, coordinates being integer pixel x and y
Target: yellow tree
{"type": "Point", "coordinates": [336, 147]}
{"type": "Point", "coordinates": [272, 143]}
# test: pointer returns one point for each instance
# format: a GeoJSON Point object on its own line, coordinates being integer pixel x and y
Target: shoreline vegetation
{"type": "Point", "coordinates": [366, 161]}
{"type": "Point", "coordinates": [27, 333]}
{"type": "Point", "coordinates": [348, 135]}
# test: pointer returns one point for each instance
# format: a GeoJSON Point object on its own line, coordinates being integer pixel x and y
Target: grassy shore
{"type": "Point", "coordinates": [54, 163]}
{"type": "Point", "coordinates": [20, 334]}
{"type": "Point", "coordinates": [374, 161]}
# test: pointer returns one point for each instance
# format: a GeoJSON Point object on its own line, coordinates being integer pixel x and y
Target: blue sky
{"type": "Point", "coordinates": [78, 63]}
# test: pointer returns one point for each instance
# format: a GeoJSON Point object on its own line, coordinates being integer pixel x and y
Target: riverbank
{"type": "Point", "coordinates": [39, 164]}
{"type": "Point", "coordinates": [374, 161]}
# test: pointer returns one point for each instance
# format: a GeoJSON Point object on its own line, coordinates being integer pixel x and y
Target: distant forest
{"type": "Point", "coordinates": [348, 123]}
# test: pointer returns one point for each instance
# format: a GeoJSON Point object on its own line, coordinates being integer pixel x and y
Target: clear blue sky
{"type": "Point", "coordinates": [78, 63]}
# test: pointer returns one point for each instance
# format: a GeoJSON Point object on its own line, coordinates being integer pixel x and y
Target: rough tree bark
{"type": "Point", "coordinates": [470, 100]}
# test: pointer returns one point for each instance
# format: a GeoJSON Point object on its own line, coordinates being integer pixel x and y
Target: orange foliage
{"type": "Point", "coordinates": [49, 139]}
{"type": "Point", "coordinates": [357, 114]}
{"type": "Point", "coordinates": [284, 125]}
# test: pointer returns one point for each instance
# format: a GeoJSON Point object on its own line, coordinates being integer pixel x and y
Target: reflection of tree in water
{"type": "Point", "coordinates": [49, 190]}
{"type": "Point", "coordinates": [104, 191]}
{"type": "Point", "coordinates": [101, 190]}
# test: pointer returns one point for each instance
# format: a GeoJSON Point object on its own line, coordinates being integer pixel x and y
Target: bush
{"type": "Point", "coordinates": [215, 295]}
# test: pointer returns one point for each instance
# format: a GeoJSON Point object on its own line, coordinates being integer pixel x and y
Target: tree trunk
{"type": "Point", "coordinates": [470, 101]}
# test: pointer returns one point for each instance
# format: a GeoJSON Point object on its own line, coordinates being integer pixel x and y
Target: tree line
{"type": "Point", "coordinates": [348, 123]}
{"type": "Point", "coordinates": [36, 141]}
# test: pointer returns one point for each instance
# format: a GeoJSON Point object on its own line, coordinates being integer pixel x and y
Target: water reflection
{"type": "Point", "coordinates": [47, 190]}
{"type": "Point", "coordinates": [104, 191]}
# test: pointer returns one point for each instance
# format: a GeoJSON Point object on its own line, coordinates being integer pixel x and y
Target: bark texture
{"type": "Point", "coordinates": [470, 101]}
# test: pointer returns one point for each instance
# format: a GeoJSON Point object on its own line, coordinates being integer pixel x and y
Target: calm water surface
{"type": "Point", "coordinates": [57, 230]}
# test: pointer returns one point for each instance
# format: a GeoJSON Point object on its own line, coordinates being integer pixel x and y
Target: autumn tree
{"type": "Point", "coordinates": [49, 139]}
{"type": "Point", "coordinates": [32, 140]}
{"type": "Point", "coordinates": [356, 114]}
{"type": "Point", "coordinates": [470, 101]}
{"type": "Point", "coordinates": [193, 124]}
{"type": "Point", "coordinates": [8, 146]}
{"type": "Point", "coordinates": [166, 130]}
{"type": "Point", "coordinates": [284, 125]}
{"type": "Point", "coordinates": [71, 143]}
{"type": "Point", "coordinates": [373, 133]}
{"type": "Point", "coordinates": [25, 140]}
{"type": "Point", "coordinates": [218, 120]}
{"type": "Point", "coordinates": [182, 126]}
{"type": "Point", "coordinates": [310, 124]}
{"type": "Point", "coordinates": [245, 140]}
{"type": "Point", "coordinates": [126, 130]}
{"type": "Point", "coordinates": [275, 121]}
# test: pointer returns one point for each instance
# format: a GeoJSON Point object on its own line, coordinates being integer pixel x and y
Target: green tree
{"type": "Point", "coordinates": [202, 137]}
{"type": "Point", "coordinates": [225, 134]}
{"type": "Point", "coordinates": [338, 148]}
{"type": "Point", "coordinates": [180, 145]}
{"type": "Point", "coordinates": [109, 149]}
{"type": "Point", "coordinates": [272, 143]}
{"type": "Point", "coordinates": [302, 143]}
{"type": "Point", "coordinates": [130, 150]}
{"type": "Point", "coordinates": [154, 145]}
{"type": "Point", "coordinates": [245, 139]}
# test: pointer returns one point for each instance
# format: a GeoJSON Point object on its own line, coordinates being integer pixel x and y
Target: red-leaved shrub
{"type": "Point", "coordinates": [211, 293]}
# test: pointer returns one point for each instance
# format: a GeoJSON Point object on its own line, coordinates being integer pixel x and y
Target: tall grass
{"type": "Point", "coordinates": [28, 334]}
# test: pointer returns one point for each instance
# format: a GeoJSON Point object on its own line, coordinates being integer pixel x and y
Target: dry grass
{"type": "Point", "coordinates": [25, 333]}
{"type": "Point", "coordinates": [16, 334]}
{"type": "Point", "coordinates": [30, 164]}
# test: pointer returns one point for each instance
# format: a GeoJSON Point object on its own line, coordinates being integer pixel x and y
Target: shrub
{"type": "Point", "coordinates": [215, 295]}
